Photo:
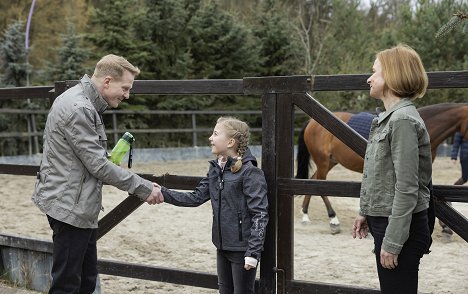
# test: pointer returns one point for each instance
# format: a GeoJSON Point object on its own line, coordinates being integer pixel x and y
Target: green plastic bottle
{"type": "Point", "coordinates": [121, 148]}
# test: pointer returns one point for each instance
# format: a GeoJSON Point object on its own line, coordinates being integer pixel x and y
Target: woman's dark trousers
{"type": "Point", "coordinates": [404, 278]}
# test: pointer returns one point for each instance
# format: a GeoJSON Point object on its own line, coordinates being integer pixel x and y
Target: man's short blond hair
{"type": "Point", "coordinates": [114, 66]}
{"type": "Point", "coordinates": [403, 71]}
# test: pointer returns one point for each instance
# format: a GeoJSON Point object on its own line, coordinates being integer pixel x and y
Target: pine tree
{"type": "Point", "coordinates": [71, 57]}
{"type": "Point", "coordinates": [280, 49]}
{"type": "Point", "coordinates": [162, 29]}
{"type": "Point", "coordinates": [113, 29]}
{"type": "Point", "coordinates": [14, 56]}
{"type": "Point", "coordinates": [221, 47]}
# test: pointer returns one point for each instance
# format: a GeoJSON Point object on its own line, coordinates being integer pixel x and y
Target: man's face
{"type": "Point", "coordinates": [115, 91]}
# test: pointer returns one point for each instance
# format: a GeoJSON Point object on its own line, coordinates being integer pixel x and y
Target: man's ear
{"type": "Point", "coordinates": [106, 82]}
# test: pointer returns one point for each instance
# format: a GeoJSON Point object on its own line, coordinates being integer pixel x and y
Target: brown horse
{"type": "Point", "coordinates": [442, 121]}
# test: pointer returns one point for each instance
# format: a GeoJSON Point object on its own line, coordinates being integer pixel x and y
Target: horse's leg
{"type": "Point", "coordinates": [446, 231]}
{"type": "Point", "coordinates": [318, 174]}
{"type": "Point", "coordinates": [321, 174]}
{"type": "Point", "coordinates": [305, 209]}
{"type": "Point", "coordinates": [334, 221]}
{"type": "Point", "coordinates": [305, 205]}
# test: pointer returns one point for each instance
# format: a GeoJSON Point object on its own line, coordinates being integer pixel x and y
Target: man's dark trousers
{"type": "Point", "coordinates": [74, 268]}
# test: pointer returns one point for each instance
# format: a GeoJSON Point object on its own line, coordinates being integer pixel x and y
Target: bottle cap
{"type": "Point", "coordinates": [128, 137]}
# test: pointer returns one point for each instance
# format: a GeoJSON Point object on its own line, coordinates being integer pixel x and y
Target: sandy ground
{"type": "Point", "coordinates": [180, 238]}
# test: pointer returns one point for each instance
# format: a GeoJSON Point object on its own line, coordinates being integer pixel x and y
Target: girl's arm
{"type": "Point", "coordinates": [197, 197]}
{"type": "Point", "coordinates": [255, 191]}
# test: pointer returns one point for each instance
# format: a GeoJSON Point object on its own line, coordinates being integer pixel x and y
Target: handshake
{"type": "Point", "coordinates": [156, 196]}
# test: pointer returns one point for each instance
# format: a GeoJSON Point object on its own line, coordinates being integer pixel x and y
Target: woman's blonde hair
{"type": "Point", "coordinates": [403, 72]}
{"type": "Point", "coordinates": [114, 66]}
{"type": "Point", "coordinates": [238, 130]}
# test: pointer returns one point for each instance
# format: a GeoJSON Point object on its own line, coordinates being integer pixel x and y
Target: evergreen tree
{"type": "Point", "coordinates": [162, 28]}
{"type": "Point", "coordinates": [14, 56]}
{"type": "Point", "coordinates": [418, 27]}
{"type": "Point", "coordinates": [280, 49]}
{"type": "Point", "coordinates": [71, 57]}
{"type": "Point", "coordinates": [221, 48]}
{"type": "Point", "coordinates": [112, 29]}
{"type": "Point", "coordinates": [15, 69]}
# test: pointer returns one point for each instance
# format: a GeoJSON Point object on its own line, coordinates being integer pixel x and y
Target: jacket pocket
{"type": "Point", "coordinates": [80, 187]}
{"type": "Point", "coordinates": [382, 145]}
{"type": "Point", "coordinates": [102, 135]}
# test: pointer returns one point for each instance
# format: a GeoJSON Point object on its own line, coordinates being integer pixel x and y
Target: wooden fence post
{"type": "Point", "coordinates": [268, 263]}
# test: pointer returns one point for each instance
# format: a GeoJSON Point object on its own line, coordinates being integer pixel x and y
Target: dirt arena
{"type": "Point", "coordinates": [175, 237]}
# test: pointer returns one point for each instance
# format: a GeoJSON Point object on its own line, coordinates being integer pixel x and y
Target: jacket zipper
{"type": "Point", "coordinates": [78, 195]}
{"type": "Point", "coordinates": [221, 187]}
{"type": "Point", "coordinates": [239, 217]}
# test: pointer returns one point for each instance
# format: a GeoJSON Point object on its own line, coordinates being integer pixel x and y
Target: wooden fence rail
{"type": "Point", "coordinates": [34, 135]}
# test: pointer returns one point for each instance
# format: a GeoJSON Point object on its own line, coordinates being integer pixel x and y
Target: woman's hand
{"type": "Point", "coordinates": [388, 260]}
{"type": "Point", "coordinates": [360, 227]}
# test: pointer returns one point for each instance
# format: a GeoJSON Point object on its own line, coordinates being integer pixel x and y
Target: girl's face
{"type": "Point", "coordinates": [221, 144]}
{"type": "Point", "coordinates": [376, 81]}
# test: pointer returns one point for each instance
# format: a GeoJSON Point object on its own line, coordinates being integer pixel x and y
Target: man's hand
{"type": "Point", "coordinates": [360, 227]}
{"type": "Point", "coordinates": [156, 196]}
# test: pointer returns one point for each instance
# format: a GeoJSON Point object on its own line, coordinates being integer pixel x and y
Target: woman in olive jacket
{"type": "Point", "coordinates": [397, 170]}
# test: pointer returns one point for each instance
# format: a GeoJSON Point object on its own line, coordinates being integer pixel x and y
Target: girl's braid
{"type": "Point", "coordinates": [243, 141]}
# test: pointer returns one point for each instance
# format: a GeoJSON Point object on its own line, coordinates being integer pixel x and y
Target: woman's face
{"type": "Point", "coordinates": [376, 81]}
{"type": "Point", "coordinates": [220, 142]}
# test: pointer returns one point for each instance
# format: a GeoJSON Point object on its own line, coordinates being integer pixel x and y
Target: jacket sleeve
{"type": "Point", "coordinates": [255, 191]}
{"type": "Point", "coordinates": [457, 141]}
{"type": "Point", "coordinates": [81, 132]}
{"type": "Point", "coordinates": [197, 197]}
{"type": "Point", "coordinates": [405, 157]}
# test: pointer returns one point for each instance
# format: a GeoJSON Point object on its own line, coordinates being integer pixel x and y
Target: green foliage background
{"type": "Point", "coordinates": [219, 39]}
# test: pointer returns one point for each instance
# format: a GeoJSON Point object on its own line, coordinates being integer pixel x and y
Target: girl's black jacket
{"type": "Point", "coordinates": [239, 202]}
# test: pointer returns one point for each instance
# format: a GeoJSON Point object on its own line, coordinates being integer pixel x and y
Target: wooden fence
{"type": "Point", "coordinates": [34, 134]}
{"type": "Point", "coordinates": [280, 95]}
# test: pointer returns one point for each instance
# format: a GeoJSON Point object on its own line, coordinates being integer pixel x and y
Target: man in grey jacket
{"type": "Point", "coordinates": [74, 167]}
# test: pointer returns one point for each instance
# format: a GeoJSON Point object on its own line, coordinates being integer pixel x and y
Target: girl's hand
{"type": "Point", "coordinates": [248, 266]}
{"type": "Point", "coordinates": [250, 262]}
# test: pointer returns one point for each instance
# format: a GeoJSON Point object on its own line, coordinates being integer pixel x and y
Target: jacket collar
{"type": "Point", "coordinates": [248, 156]}
{"type": "Point", "coordinates": [404, 102]}
{"type": "Point", "coordinates": [93, 94]}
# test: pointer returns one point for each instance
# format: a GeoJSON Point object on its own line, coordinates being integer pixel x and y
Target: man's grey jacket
{"type": "Point", "coordinates": [74, 160]}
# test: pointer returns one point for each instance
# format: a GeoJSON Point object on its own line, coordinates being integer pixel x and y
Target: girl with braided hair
{"type": "Point", "coordinates": [238, 193]}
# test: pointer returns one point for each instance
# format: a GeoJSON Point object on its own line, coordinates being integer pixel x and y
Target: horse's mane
{"type": "Point", "coordinates": [432, 110]}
